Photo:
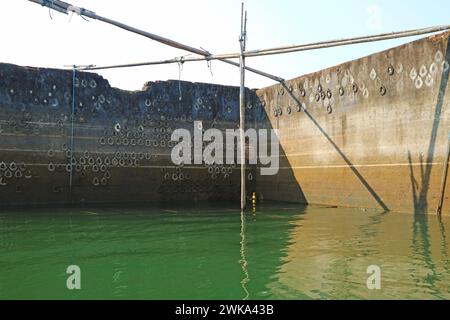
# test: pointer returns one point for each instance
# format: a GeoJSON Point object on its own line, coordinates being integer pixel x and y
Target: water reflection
{"type": "Point", "coordinates": [283, 252]}
{"type": "Point", "coordinates": [243, 260]}
{"type": "Point", "coordinates": [331, 250]}
{"type": "Point", "coordinates": [421, 247]}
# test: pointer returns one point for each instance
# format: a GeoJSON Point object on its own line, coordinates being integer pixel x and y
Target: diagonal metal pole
{"type": "Point", "coordinates": [67, 8]}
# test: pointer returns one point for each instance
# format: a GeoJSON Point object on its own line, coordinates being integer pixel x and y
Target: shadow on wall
{"type": "Point", "coordinates": [285, 187]}
{"type": "Point", "coordinates": [420, 193]}
{"type": "Point", "coordinates": [420, 240]}
{"type": "Point", "coordinates": [421, 234]}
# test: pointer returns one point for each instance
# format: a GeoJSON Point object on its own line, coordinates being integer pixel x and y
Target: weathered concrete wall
{"type": "Point", "coordinates": [121, 140]}
{"type": "Point", "coordinates": [374, 133]}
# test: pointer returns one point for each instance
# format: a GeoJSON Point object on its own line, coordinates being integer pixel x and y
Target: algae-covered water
{"type": "Point", "coordinates": [281, 252]}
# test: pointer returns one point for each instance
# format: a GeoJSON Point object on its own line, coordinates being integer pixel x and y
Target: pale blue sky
{"type": "Point", "coordinates": [30, 37]}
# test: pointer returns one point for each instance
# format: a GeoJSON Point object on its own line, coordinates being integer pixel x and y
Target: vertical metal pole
{"type": "Point", "coordinates": [444, 178]}
{"type": "Point", "coordinates": [242, 108]}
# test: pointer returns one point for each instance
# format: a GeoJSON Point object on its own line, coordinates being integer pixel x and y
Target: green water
{"type": "Point", "coordinates": [282, 252]}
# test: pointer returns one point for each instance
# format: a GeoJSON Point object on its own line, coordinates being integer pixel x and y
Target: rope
{"type": "Point", "coordinates": [50, 11]}
{"type": "Point", "coordinates": [208, 60]}
{"type": "Point", "coordinates": [180, 69]}
{"type": "Point", "coordinates": [209, 63]}
{"type": "Point", "coordinates": [49, 4]}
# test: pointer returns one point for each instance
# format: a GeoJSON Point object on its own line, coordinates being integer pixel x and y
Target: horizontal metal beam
{"type": "Point", "coordinates": [284, 50]}
{"type": "Point", "coordinates": [349, 41]}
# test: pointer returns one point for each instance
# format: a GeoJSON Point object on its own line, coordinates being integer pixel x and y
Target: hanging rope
{"type": "Point", "coordinates": [209, 63]}
{"type": "Point", "coordinates": [50, 4]}
{"type": "Point", "coordinates": [50, 10]}
{"type": "Point", "coordinates": [180, 69]}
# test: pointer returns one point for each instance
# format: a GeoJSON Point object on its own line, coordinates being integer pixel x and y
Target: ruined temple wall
{"type": "Point", "coordinates": [374, 133]}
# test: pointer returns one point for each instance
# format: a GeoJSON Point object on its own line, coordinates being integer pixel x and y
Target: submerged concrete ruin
{"type": "Point", "coordinates": [370, 133]}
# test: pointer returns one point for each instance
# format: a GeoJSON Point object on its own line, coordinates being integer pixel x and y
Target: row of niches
{"type": "Point", "coordinates": [96, 103]}
{"type": "Point", "coordinates": [27, 123]}
{"type": "Point", "coordinates": [100, 175]}
{"type": "Point", "coordinates": [144, 132]}
{"type": "Point", "coordinates": [14, 171]}
{"type": "Point", "coordinates": [88, 113]}
{"type": "Point", "coordinates": [149, 134]}
{"type": "Point", "coordinates": [97, 170]}
{"type": "Point", "coordinates": [109, 159]}
{"type": "Point", "coordinates": [215, 172]}
{"type": "Point", "coordinates": [326, 91]}
{"type": "Point", "coordinates": [31, 119]}
{"type": "Point", "coordinates": [155, 141]}
{"type": "Point", "coordinates": [85, 156]}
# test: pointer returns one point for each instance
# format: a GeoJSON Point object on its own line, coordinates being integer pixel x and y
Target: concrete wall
{"type": "Point", "coordinates": [371, 133]}
{"type": "Point", "coordinates": [374, 133]}
{"type": "Point", "coordinates": [121, 140]}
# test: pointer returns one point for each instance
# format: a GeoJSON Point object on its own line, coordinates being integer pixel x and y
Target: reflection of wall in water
{"type": "Point", "coordinates": [330, 250]}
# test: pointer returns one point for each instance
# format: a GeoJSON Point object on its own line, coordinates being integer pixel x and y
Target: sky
{"type": "Point", "coordinates": [32, 36]}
